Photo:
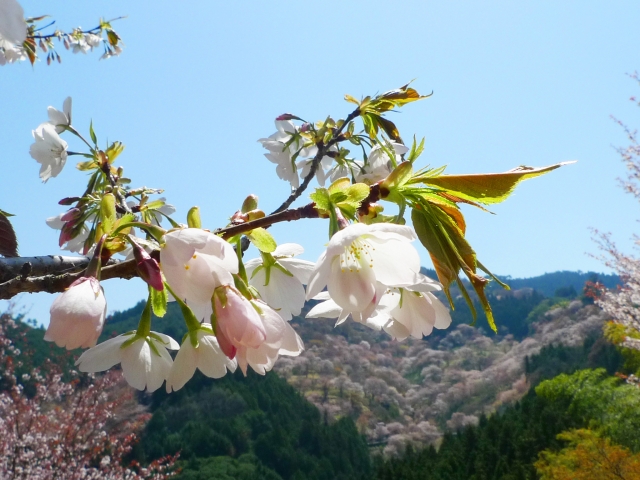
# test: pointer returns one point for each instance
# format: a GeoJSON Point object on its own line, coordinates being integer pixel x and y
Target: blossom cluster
{"type": "Point", "coordinates": [371, 272]}
{"type": "Point", "coordinates": [20, 38]}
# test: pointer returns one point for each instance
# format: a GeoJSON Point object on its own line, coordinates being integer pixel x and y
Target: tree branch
{"type": "Point", "coordinates": [308, 211]}
{"type": "Point", "coordinates": [48, 278]}
{"type": "Point", "coordinates": [322, 151]}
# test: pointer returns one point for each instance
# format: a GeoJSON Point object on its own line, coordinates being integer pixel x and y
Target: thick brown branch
{"type": "Point", "coordinates": [54, 282]}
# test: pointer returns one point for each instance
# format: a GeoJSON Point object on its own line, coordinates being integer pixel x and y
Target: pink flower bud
{"type": "Point", "coordinates": [286, 116]}
{"type": "Point", "coordinates": [238, 322]}
{"type": "Point", "coordinates": [71, 215]}
{"type": "Point", "coordinates": [68, 200]}
{"type": "Point", "coordinates": [66, 233]}
{"type": "Point", "coordinates": [77, 315]}
{"type": "Point", "coordinates": [147, 267]}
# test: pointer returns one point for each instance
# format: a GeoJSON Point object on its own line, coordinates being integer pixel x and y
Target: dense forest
{"type": "Point", "coordinates": [462, 404]}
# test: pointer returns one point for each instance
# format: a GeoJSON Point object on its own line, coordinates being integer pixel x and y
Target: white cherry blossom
{"type": "Point", "coordinates": [194, 263]}
{"type": "Point", "coordinates": [145, 361]}
{"type": "Point", "coordinates": [402, 312]}
{"type": "Point", "coordinates": [282, 155]}
{"type": "Point", "coordinates": [280, 284]}
{"type": "Point", "coordinates": [361, 262]}
{"type": "Point", "coordinates": [10, 53]}
{"type": "Point", "coordinates": [379, 165]}
{"type": "Point", "coordinates": [207, 357]}
{"type": "Point", "coordinates": [49, 150]}
{"type": "Point", "coordinates": [77, 315]}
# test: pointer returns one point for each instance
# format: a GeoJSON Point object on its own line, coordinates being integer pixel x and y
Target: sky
{"type": "Point", "coordinates": [199, 82]}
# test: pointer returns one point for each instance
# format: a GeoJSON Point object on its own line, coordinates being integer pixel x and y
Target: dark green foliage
{"type": "Point", "coordinates": [500, 447]}
{"type": "Point", "coordinates": [264, 427]}
{"type": "Point", "coordinates": [556, 359]}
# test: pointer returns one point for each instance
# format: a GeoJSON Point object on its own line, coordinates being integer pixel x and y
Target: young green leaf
{"type": "Point", "coordinates": [159, 301]}
{"type": "Point", "coordinates": [262, 239]}
{"type": "Point", "coordinates": [487, 188]}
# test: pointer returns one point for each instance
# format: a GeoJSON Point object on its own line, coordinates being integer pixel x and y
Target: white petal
{"type": "Point", "coordinates": [136, 363]}
{"type": "Point", "coordinates": [291, 343]}
{"type": "Point", "coordinates": [183, 368]}
{"type": "Point", "coordinates": [288, 250]}
{"type": "Point", "coordinates": [301, 269]}
{"type": "Point", "coordinates": [395, 263]}
{"type": "Point", "coordinates": [12, 25]}
{"type": "Point", "coordinates": [352, 289]}
{"type": "Point", "coordinates": [327, 309]}
{"type": "Point", "coordinates": [103, 356]}
{"type": "Point", "coordinates": [319, 276]}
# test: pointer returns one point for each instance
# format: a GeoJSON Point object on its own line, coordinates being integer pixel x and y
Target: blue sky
{"type": "Point", "coordinates": [526, 83]}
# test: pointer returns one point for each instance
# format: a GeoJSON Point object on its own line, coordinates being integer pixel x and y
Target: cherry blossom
{"type": "Point", "coordinates": [145, 361]}
{"type": "Point", "coordinates": [194, 263]}
{"type": "Point", "coordinates": [361, 262]}
{"type": "Point", "coordinates": [282, 155]}
{"type": "Point", "coordinates": [280, 339]}
{"type": "Point", "coordinates": [49, 150]}
{"type": "Point", "coordinates": [412, 311]}
{"type": "Point", "coordinates": [206, 356]}
{"type": "Point", "coordinates": [77, 315]}
{"type": "Point", "coordinates": [379, 165]}
{"type": "Point", "coordinates": [279, 278]}
{"type": "Point", "coordinates": [10, 53]}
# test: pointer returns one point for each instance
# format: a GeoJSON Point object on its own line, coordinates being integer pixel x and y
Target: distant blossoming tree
{"type": "Point", "coordinates": [237, 313]}
{"type": "Point", "coordinates": [623, 305]}
{"type": "Point", "coordinates": [60, 429]}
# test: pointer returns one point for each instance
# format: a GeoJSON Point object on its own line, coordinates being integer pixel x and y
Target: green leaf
{"type": "Point", "coordinates": [339, 185]}
{"type": "Point", "coordinates": [159, 301]}
{"type": "Point", "coordinates": [416, 150]}
{"type": "Point", "coordinates": [88, 165]}
{"type": "Point", "coordinates": [92, 133]}
{"type": "Point", "coordinates": [450, 252]}
{"type": "Point", "coordinates": [487, 188]}
{"type": "Point", "coordinates": [108, 212]}
{"type": "Point", "coordinates": [8, 239]}
{"type": "Point", "coordinates": [114, 150]}
{"type": "Point", "coordinates": [357, 192]}
{"type": "Point", "coordinates": [262, 239]}
{"type": "Point", "coordinates": [321, 198]}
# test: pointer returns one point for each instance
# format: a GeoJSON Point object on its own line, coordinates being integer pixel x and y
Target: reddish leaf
{"type": "Point", "coordinates": [8, 240]}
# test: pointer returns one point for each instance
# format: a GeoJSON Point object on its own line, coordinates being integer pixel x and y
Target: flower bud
{"type": "Point", "coordinates": [287, 116]}
{"type": "Point", "coordinates": [147, 267]}
{"type": "Point", "coordinates": [193, 218]}
{"type": "Point", "coordinates": [250, 203]}
{"type": "Point", "coordinates": [255, 214]}
{"type": "Point", "coordinates": [71, 215]}
{"type": "Point", "coordinates": [68, 200]}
